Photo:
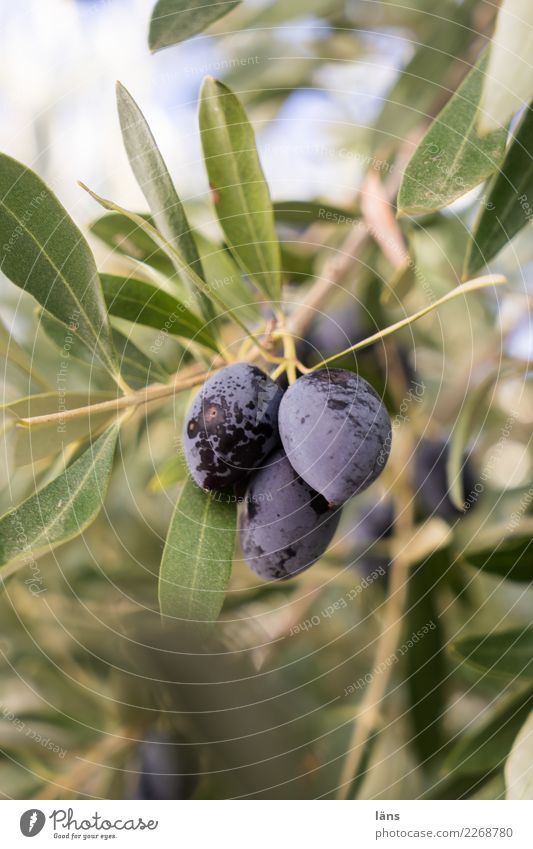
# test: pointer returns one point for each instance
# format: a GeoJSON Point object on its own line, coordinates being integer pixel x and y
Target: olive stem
{"type": "Point", "coordinates": [463, 289]}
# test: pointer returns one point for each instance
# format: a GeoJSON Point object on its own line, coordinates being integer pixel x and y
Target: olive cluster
{"type": "Point", "coordinates": [297, 455]}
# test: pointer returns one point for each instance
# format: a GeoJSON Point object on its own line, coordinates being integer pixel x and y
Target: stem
{"type": "Point", "coordinates": [464, 289]}
{"type": "Point", "coordinates": [135, 399]}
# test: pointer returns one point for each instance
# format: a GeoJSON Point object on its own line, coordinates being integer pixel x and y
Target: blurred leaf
{"type": "Point", "coordinates": [196, 564]}
{"type": "Point", "coordinates": [506, 208]}
{"type": "Point", "coordinates": [421, 83]}
{"type": "Point", "coordinates": [508, 85]}
{"type": "Point", "coordinates": [62, 509]}
{"type": "Point", "coordinates": [485, 748]}
{"type": "Point", "coordinates": [11, 350]}
{"type": "Point", "coordinates": [452, 158]}
{"type": "Point", "coordinates": [507, 654]}
{"type": "Point", "coordinates": [519, 766]}
{"type": "Point", "coordinates": [425, 659]}
{"type": "Point", "coordinates": [43, 252]}
{"type": "Point", "coordinates": [173, 471]}
{"type": "Point", "coordinates": [135, 367]}
{"type": "Point", "coordinates": [240, 193]}
{"type": "Point", "coordinates": [41, 440]}
{"type": "Point", "coordinates": [177, 20]}
{"type": "Point", "coordinates": [141, 303]}
{"type": "Point", "coordinates": [508, 556]}
{"type": "Point", "coordinates": [156, 184]}
{"type": "Point", "coordinates": [128, 239]}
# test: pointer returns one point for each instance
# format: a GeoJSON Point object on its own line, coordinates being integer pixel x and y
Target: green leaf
{"type": "Point", "coordinates": [452, 158]}
{"type": "Point", "coordinates": [142, 303]}
{"type": "Point", "coordinates": [177, 20]}
{"type": "Point", "coordinates": [508, 85]}
{"type": "Point", "coordinates": [225, 277]}
{"type": "Point", "coordinates": [485, 749]}
{"type": "Point", "coordinates": [240, 193]}
{"type": "Point", "coordinates": [519, 766]}
{"type": "Point", "coordinates": [196, 564]}
{"type": "Point", "coordinates": [128, 239]}
{"type": "Point", "coordinates": [506, 209]}
{"type": "Point", "coordinates": [506, 654]}
{"type": "Point", "coordinates": [62, 509]}
{"type": "Point", "coordinates": [47, 438]}
{"type": "Point", "coordinates": [156, 184]}
{"type": "Point", "coordinates": [13, 352]}
{"type": "Point", "coordinates": [43, 252]}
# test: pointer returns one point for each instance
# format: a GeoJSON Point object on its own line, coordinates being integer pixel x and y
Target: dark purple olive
{"type": "Point", "coordinates": [231, 426]}
{"type": "Point", "coordinates": [336, 432]}
{"type": "Point", "coordinates": [431, 479]}
{"type": "Point", "coordinates": [285, 526]}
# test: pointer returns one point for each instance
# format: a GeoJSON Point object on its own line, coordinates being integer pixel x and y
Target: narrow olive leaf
{"type": "Point", "coordinates": [174, 21]}
{"type": "Point", "coordinates": [239, 190]}
{"type": "Point", "coordinates": [519, 767]}
{"type": "Point", "coordinates": [178, 261]}
{"type": "Point", "coordinates": [464, 289]}
{"type": "Point", "coordinates": [505, 209]}
{"type": "Point", "coordinates": [452, 158]}
{"type": "Point", "coordinates": [42, 440]}
{"type": "Point", "coordinates": [63, 509]}
{"type": "Point", "coordinates": [196, 564]}
{"type": "Point", "coordinates": [506, 654]}
{"type": "Point", "coordinates": [224, 276]}
{"type": "Point", "coordinates": [43, 252]}
{"type": "Point", "coordinates": [508, 85]}
{"type": "Point", "coordinates": [11, 351]}
{"type": "Point", "coordinates": [128, 239]}
{"type": "Point", "coordinates": [142, 303]}
{"type": "Point", "coordinates": [485, 748]}
{"type": "Point", "coordinates": [158, 188]}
